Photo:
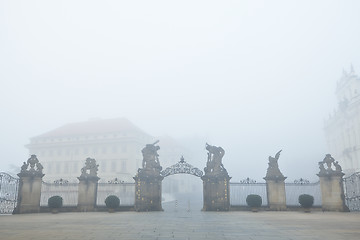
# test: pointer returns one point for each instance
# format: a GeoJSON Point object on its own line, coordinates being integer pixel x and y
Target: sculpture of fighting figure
{"type": "Point", "coordinates": [35, 166]}
{"type": "Point", "coordinates": [329, 161]}
{"type": "Point", "coordinates": [151, 163]}
{"type": "Point", "coordinates": [214, 161]}
{"type": "Point", "coordinates": [273, 171]}
{"type": "Point", "coordinates": [90, 169]}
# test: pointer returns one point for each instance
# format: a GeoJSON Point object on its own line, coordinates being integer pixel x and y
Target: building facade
{"type": "Point", "coordinates": [342, 129]}
{"type": "Point", "coordinates": [115, 144]}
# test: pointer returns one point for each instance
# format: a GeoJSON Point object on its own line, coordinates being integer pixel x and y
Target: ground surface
{"type": "Point", "coordinates": [181, 224]}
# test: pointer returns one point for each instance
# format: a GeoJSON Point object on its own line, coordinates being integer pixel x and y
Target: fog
{"type": "Point", "coordinates": [251, 76]}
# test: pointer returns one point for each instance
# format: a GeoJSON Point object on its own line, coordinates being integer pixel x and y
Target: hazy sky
{"type": "Point", "coordinates": [251, 76]}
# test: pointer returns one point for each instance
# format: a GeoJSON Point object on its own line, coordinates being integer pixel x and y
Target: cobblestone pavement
{"type": "Point", "coordinates": [181, 225]}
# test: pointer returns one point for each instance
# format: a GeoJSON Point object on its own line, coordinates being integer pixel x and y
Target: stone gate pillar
{"type": "Point", "coordinates": [148, 181]}
{"type": "Point", "coordinates": [331, 184]}
{"type": "Point", "coordinates": [216, 190]}
{"type": "Point", "coordinates": [88, 184]}
{"type": "Point", "coordinates": [30, 186]}
{"type": "Point", "coordinates": [275, 185]}
{"type": "Point", "coordinates": [216, 193]}
{"type": "Point", "coordinates": [148, 192]}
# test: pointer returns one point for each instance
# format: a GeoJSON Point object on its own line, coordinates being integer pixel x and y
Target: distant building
{"type": "Point", "coordinates": [342, 129]}
{"type": "Point", "coordinates": [115, 144]}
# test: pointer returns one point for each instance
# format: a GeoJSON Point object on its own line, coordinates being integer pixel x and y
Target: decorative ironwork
{"type": "Point", "coordinates": [61, 182]}
{"type": "Point", "coordinates": [182, 167]}
{"type": "Point", "coordinates": [301, 181]}
{"type": "Point", "coordinates": [8, 193]}
{"type": "Point", "coordinates": [115, 181]}
{"type": "Point", "coordinates": [248, 181]}
{"type": "Point", "coordinates": [352, 191]}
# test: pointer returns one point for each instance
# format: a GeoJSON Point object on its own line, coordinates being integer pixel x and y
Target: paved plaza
{"type": "Point", "coordinates": [181, 225]}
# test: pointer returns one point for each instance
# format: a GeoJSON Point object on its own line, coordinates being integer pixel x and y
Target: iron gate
{"type": "Point", "coordinates": [352, 191]}
{"type": "Point", "coordinates": [8, 193]}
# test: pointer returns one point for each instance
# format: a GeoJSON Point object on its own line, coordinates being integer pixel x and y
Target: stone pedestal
{"type": "Point", "coordinates": [331, 184]}
{"type": "Point", "coordinates": [275, 188]}
{"type": "Point", "coordinates": [29, 194]}
{"type": "Point", "coordinates": [30, 186]}
{"type": "Point", "coordinates": [216, 192]}
{"type": "Point", "coordinates": [87, 193]}
{"type": "Point", "coordinates": [332, 192]}
{"type": "Point", "coordinates": [148, 192]}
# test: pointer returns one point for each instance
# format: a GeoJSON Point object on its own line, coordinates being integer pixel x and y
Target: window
{"type": "Point", "coordinates": [49, 168]}
{"type": "Point", "coordinates": [114, 149]}
{"type": "Point", "coordinates": [76, 166]}
{"type": "Point", "coordinates": [95, 150]}
{"type": "Point", "coordinates": [103, 166]}
{"type": "Point", "coordinates": [113, 166]}
{"type": "Point", "coordinates": [124, 149]}
{"type": "Point", "coordinates": [123, 165]}
{"type": "Point", "coordinates": [66, 168]}
{"type": "Point", "coordinates": [57, 169]}
{"type": "Point", "coordinates": [104, 150]}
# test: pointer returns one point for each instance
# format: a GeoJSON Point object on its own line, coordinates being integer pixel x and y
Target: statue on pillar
{"type": "Point", "coordinates": [31, 168]}
{"type": "Point", "coordinates": [214, 164]}
{"type": "Point", "coordinates": [29, 191]}
{"type": "Point", "coordinates": [273, 171]}
{"type": "Point", "coordinates": [148, 180]}
{"type": "Point", "coordinates": [329, 162]}
{"type": "Point", "coordinates": [90, 169]}
{"type": "Point", "coordinates": [331, 184]}
{"type": "Point", "coordinates": [151, 163]}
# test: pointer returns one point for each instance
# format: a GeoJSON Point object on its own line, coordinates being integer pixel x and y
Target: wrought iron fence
{"type": "Point", "coordinates": [125, 192]}
{"type": "Point", "coordinates": [8, 193]}
{"type": "Point", "coordinates": [352, 191]}
{"type": "Point", "coordinates": [68, 191]}
{"type": "Point", "coordinates": [239, 191]}
{"type": "Point", "coordinates": [302, 186]}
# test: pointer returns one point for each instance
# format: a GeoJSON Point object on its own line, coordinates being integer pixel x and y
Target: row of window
{"type": "Point", "coordinates": [75, 167]}
{"type": "Point", "coordinates": [85, 150]}
{"type": "Point", "coordinates": [42, 140]}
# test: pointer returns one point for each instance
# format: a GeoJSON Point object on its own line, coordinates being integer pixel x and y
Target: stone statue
{"type": "Point", "coordinates": [32, 167]}
{"type": "Point", "coordinates": [337, 167]}
{"type": "Point", "coordinates": [329, 161]}
{"type": "Point", "coordinates": [24, 167]}
{"type": "Point", "coordinates": [321, 167]}
{"type": "Point", "coordinates": [273, 170]}
{"type": "Point", "coordinates": [39, 167]}
{"type": "Point", "coordinates": [90, 169]}
{"type": "Point", "coordinates": [151, 161]}
{"type": "Point", "coordinates": [214, 161]}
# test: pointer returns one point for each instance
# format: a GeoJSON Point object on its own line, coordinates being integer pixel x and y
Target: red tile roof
{"type": "Point", "coordinates": [93, 127]}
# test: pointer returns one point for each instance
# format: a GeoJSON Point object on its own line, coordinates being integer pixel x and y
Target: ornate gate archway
{"type": "Point", "coordinates": [148, 180]}
{"type": "Point", "coordinates": [182, 167]}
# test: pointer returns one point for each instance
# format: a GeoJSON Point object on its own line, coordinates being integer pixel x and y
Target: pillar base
{"type": "Point", "coordinates": [87, 193]}
{"type": "Point", "coordinates": [332, 192]}
{"type": "Point", "coordinates": [29, 194]}
{"type": "Point", "coordinates": [148, 192]}
{"type": "Point", "coordinates": [216, 192]}
{"type": "Point", "coordinates": [275, 188]}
